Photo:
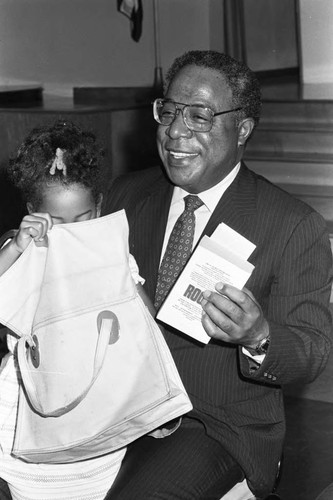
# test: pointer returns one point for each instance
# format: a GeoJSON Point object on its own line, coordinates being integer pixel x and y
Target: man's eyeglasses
{"type": "Point", "coordinates": [196, 117]}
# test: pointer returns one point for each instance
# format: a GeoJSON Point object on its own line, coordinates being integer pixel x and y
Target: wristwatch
{"type": "Point", "coordinates": [260, 348]}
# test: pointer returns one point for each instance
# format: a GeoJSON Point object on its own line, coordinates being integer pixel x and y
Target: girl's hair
{"type": "Point", "coordinates": [61, 153]}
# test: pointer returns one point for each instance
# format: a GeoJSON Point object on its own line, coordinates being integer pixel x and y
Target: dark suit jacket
{"type": "Point", "coordinates": [291, 281]}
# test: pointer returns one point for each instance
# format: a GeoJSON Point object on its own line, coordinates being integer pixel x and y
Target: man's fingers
{"type": "Point", "coordinates": [217, 320]}
{"type": "Point", "coordinates": [222, 304]}
{"type": "Point", "coordinates": [212, 329]}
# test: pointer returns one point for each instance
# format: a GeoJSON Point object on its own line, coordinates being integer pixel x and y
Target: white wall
{"type": "Point", "coordinates": [270, 34]}
{"type": "Point", "coordinates": [316, 40]}
{"type": "Point", "coordinates": [66, 43]}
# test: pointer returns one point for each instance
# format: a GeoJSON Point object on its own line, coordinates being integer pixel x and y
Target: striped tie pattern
{"type": "Point", "coordinates": [178, 249]}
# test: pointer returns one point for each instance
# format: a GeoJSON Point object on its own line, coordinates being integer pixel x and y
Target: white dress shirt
{"type": "Point", "coordinates": [210, 198]}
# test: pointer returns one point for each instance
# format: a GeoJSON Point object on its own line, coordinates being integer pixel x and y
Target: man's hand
{"type": "Point", "coordinates": [234, 316]}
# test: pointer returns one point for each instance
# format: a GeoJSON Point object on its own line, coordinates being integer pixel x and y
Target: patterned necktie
{"type": "Point", "coordinates": [178, 249]}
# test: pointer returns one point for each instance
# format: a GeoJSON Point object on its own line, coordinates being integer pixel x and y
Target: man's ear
{"type": "Point", "coordinates": [245, 128]}
{"type": "Point", "coordinates": [99, 204]}
{"type": "Point", "coordinates": [30, 208]}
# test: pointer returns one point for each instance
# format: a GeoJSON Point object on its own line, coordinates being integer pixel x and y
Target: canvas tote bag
{"type": "Point", "coordinates": [96, 371]}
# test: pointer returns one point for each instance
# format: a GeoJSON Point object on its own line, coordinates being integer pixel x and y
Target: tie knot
{"type": "Point", "coordinates": [192, 202]}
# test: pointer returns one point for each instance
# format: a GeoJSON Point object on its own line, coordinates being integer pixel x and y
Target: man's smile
{"type": "Point", "coordinates": [181, 154]}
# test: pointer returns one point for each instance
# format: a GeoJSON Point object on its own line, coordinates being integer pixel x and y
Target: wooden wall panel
{"type": "Point", "coordinates": [128, 136]}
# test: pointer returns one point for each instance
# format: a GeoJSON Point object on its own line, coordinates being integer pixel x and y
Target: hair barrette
{"type": "Point", "coordinates": [58, 163]}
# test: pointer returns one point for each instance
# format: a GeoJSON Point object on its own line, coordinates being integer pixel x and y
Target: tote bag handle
{"type": "Point", "coordinates": [107, 325]}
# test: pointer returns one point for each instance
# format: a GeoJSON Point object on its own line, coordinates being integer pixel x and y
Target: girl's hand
{"type": "Point", "coordinates": [33, 226]}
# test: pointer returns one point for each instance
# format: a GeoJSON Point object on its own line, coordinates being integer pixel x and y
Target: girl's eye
{"type": "Point", "coordinates": [86, 216]}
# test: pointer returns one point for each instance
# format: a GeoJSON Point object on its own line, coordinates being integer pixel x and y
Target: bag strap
{"type": "Point", "coordinates": [108, 330]}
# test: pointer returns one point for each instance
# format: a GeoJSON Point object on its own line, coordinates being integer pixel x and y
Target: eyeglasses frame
{"type": "Point", "coordinates": [181, 110]}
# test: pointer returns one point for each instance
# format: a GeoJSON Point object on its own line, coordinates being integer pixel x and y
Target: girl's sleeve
{"type": "Point", "coordinates": [135, 270]}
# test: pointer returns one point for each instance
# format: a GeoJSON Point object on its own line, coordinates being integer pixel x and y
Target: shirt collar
{"type": "Point", "coordinates": [211, 196]}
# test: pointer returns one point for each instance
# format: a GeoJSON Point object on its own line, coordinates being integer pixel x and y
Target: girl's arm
{"type": "Point", "coordinates": [146, 299]}
{"type": "Point", "coordinates": [8, 255]}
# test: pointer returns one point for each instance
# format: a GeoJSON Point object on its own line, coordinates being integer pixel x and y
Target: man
{"type": "Point", "coordinates": [273, 332]}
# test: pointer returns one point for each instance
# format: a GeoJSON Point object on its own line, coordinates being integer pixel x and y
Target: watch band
{"type": "Point", "coordinates": [260, 348]}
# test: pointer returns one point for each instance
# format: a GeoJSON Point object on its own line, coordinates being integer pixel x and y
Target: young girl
{"type": "Point", "coordinates": [57, 168]}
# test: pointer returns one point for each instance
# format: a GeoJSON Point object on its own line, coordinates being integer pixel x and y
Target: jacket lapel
{"type": "Point", "coordinates": [148, 231]}
{"type": "Point", "coordinates": [237, 205]}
